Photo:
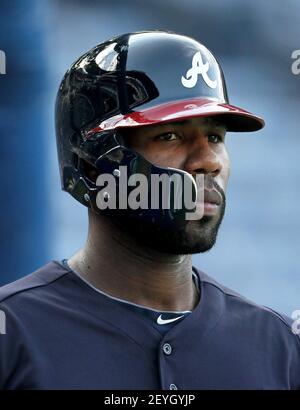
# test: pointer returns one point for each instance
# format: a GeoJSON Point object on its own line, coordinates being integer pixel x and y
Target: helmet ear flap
{"type": "Point", "coordinates": [88, 171]}
{"type": "Point", "coordinates": [120, 136]}
{"type": "Point", "coordinates": [75, 161]}
{"type": "Point", "coordinates": [79, 182]}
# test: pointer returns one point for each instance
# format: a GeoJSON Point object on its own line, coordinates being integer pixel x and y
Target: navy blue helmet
{"type": "Point", "coordinates": [133, 80]}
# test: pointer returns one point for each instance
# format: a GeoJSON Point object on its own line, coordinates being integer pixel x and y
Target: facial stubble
{"type": "Point", "coordinates": [193, 237]}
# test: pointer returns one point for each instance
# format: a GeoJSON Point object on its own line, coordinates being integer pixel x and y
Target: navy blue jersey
{"type": "Point", "coordinates": [61, 333]}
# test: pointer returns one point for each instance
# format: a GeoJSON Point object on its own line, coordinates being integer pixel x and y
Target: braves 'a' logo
{"type": "Point", "coordinates": [198, 68]}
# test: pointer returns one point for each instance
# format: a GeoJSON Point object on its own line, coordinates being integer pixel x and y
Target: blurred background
{"type": "Point", "coordinates": [257, 252]}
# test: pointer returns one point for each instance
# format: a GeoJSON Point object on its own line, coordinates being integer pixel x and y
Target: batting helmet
{"type": "Point", "coordinates": [133, 80]}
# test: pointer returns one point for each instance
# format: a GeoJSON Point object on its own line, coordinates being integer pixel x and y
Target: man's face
{"type": "Point", "coordinates": [196, 146]}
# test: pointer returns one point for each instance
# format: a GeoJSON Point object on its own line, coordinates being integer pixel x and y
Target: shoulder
{"type": "Point", "coordinates": [241, 309]}
{"type": "Point", "coordinates": [41, 278]}
{"type": "Point", "coordinates": [24, 310]}
{"type": "Point", "coordinates": [268, 339]}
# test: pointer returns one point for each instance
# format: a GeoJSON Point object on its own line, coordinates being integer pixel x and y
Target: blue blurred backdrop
{"type": "Point", "coordinates": [257, 252]}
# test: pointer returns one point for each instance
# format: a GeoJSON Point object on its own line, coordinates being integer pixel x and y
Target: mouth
{"type": "Point", "coordinates": [212, 202]}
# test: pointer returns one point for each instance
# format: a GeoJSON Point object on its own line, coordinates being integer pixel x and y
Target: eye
{"type": "Point", "coordinates": [215, 138]}
{"type": "Point", "coordinates": [168, 136]}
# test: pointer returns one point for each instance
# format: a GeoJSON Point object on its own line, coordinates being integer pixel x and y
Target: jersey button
{"type": "Point", "coordinates": [173, 386]}
{"type": "Point", "coordinates": [167, 349]}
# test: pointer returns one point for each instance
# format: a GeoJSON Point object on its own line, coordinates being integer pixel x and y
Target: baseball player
{"type": "Point", "coordinates": [128, 310]}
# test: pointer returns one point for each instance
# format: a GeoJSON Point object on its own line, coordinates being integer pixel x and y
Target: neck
{"type": "Point", "coordinates": [113, 262]}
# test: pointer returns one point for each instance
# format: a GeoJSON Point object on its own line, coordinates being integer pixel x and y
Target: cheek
{"type": "Point", "coordinates": [225, 173]}
{"type": "Point", "coordinates": [224, 162]}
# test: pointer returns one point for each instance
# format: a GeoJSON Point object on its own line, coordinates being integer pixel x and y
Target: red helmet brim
{"type": "Point", "coordinates": [234, 118]}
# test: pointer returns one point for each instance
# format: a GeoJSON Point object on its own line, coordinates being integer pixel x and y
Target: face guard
{"type": "Point", "coordinates": [135, 80]}
{"type": "Point", "coordinates": [166, 208]}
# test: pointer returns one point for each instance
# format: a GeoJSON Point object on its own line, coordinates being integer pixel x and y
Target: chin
{"type": "Point", "coordinates": [195, 237]}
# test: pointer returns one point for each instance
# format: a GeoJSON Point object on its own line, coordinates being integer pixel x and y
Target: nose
{"type": "Point", "coordinates": [203, 158]}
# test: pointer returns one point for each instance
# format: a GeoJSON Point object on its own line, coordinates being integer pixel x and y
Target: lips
{"type": "Point", "coordinates": [212, 197]}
